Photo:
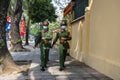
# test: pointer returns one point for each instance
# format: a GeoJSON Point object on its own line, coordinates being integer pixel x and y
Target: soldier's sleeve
{"type": "Point", "coordinates": [56, 38]}
{"type": "Point", "coordinates": [69, 36]}
{"type": "Point", "coordinates": [38, 39]}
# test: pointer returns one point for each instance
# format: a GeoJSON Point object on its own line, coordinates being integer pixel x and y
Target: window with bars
{"type": "Point", "coordinates": [79, 8]}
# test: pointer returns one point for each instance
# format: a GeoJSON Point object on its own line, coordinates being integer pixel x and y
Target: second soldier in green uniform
{"type": "Point", "coordinates": [43, 39]}
{"type": "Point", "coordinates": [63, 36]}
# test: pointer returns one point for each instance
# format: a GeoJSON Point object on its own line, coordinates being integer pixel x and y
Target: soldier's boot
{"type": "Point", "coordinates": [60, 69]}
{"type": "Point", "coordinates": [42, 69]}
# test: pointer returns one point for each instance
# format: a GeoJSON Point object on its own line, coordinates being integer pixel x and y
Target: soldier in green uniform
{"type": "Point", "coordinates": [44, 37]}
{"type": "Point", "coordinates": [63, 36]}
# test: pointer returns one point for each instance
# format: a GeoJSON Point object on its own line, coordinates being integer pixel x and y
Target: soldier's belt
{"type": "Point", "coordinates": [45, 41]}
{"type": "Point", "coordinates": [62, 41]}
{"type": "Point", "coordinates": [62, 38]}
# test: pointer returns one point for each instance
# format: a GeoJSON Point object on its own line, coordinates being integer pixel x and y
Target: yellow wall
{"type": "Point", "coordinates": [96, 39]}
{"type": "Point", "coordinates": [105, 29]}
{"type": "Point", "coordinates": [76, 40]}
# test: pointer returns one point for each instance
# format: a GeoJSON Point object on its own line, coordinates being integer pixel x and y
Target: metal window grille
{"type": "Point", "coordinates": [79, 8]}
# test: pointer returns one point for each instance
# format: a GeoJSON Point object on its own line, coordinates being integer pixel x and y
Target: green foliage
{"type": "Point", "coordinates": [54, 25]}
{"type": "Point", "coordinates": [41, 10]}
{"type": "Point", "coordinates": [34, 29]}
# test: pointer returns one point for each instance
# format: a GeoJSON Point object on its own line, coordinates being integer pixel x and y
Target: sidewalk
{"type": "Point", "coordinates": [74, 70]}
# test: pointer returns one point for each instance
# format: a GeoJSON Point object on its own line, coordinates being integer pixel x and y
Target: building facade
{"type": "Point", "coordinates": [95, 34]}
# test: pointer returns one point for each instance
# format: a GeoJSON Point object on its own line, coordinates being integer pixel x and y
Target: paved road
{"type": "Point", "coordinates": [74, 70]}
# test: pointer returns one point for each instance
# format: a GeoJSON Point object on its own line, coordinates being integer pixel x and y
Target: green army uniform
{"type": "Point", "coordinates": [45, 45]}
{"type": "Point", "coordinates": [63, 46]}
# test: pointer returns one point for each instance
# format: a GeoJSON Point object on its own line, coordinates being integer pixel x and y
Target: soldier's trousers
{"type": "Point", "coordinates": [62, 55]}
{"type": "Point", "coordinates": [44, 54]}
{"type": "Point", "coordinates": [47, 54]}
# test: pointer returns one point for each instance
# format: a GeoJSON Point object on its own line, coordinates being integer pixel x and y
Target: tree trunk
{"type": "Point", "coordinates": [6, 60]}
{"type": "Point", "coordinates": [15, 32]}
{"type": "Point", "coordinates": [10, 10]}
{"type": "Point", "coordinates": [27, 32]}
{"type": "Point", "coordinates": [28, 24]}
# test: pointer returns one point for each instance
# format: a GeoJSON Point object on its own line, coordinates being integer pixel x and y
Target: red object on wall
{"type": "Point", "coordinates": [22, 28]}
